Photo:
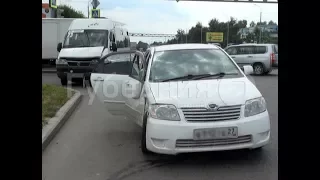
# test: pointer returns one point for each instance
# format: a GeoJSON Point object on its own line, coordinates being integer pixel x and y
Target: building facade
{"type": "Point", "coordinates": [47, 12]}
{"type": "Point", "coordinates": [271, 29]}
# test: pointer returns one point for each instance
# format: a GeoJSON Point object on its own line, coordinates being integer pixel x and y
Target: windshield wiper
{"type": "Point", "coordinates": [199, 76]}
{"type": "Point", "coordinates": [189, 76]}
{"type": "Point", "coordinates": [221, 74]}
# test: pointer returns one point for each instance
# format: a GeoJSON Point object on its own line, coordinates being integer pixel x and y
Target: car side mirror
{"type": "Point", "coordinates": [247, 70]}
{"type": "Point", "coordinates": [59, 47]}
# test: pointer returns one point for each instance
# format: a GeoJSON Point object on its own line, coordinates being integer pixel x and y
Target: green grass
{"type": "Point", "coordinates": [53, 98]}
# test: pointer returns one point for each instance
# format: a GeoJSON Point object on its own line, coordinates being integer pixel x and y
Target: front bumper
{"type": "Point", "coordinates": [64, 71]}
{"type": "Point", "coordinates": [162, 135]}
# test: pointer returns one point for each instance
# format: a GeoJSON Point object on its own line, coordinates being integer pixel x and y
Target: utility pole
{"type": "Point", "coordinates": [260, 22]}
{"type": "Point", "coordinates": [186, 36]}
{"type": "Point", "coordinates": [88, 9]}
{"type": "Point", "coordinates": [260, 25]}
{"type": "Point", "coordinates": [201, 34]}
{"type": "Point", "coordinates": [228, 34]}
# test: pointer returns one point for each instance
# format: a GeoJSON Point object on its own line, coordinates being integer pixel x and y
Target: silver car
{"type": "Point", "coordinates": [262, 57]}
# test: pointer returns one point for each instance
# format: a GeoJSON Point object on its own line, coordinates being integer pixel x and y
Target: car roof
{"type": "Point", "coordinates": [184, 46]}
{"type": "Point", "coordinates": [251, 44]}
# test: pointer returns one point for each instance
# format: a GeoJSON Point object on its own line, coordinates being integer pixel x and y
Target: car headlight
{"type": "Point", "coordinates": [164, 112]}
{"type": "Point", "coordinates": [61, 61]}
{"type": "Point", "coordinates": [95, 61]}
{"type": "Point", "coordinates": [255, 106]}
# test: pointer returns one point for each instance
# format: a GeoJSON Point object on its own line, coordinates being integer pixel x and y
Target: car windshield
{"type": "Point", "coordinates": [178, 63]}
{"type": "Point", "coordinates": [85, 38]}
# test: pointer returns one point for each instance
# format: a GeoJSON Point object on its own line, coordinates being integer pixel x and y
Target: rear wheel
{"type": "Point", "coordinates": [258, 149]}
{"type": "Point", "coordinates": [258, 69]}
{"type": "Point", "coordinates": [64, 81]}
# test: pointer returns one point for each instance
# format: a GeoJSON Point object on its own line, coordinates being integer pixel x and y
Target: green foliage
{"type": "Point", "coordinates": [69, 12]}
{"type": "Point", "coordinates": [142, 45]}
{"type": "Point", "coordinates": [230, 27]}
{"type": "Point", "coordinates": [53, 98]}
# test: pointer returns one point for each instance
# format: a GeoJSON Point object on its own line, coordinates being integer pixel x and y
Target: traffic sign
{"type": "Point", "coordinates": [95, 3]}
{"type": "Point", "coordinates": [53, 4]}
{"type": "Point", "coordinates": [95, 13]}
{"type": "Point", "coordinates": [214, 37]}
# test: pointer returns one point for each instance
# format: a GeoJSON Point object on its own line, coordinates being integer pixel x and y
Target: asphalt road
{"type": "Point", "coordinates": [93, 145]}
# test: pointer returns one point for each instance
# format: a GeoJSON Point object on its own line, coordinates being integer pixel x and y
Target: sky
{"type": "Point", "coordinates": [167, 16]}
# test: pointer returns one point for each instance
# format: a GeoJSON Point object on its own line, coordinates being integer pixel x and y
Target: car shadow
{"type": "Point", "coordinates": [225, 159]}
{"type": "Point", "coordinates": [213, 158]}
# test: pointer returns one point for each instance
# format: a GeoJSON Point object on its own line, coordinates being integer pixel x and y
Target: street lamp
{"type": "Point", "coordinates": [227, 27]}
{"type": "Point", "coordinates": [260, 20]}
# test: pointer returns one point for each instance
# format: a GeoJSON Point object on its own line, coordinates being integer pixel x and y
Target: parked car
{"type": "Point", "coordinates": [217, 44]}
{"type": "Point", "coordinates": [262, 57]}
{"type": "Point", "coordinates": [186, 98]}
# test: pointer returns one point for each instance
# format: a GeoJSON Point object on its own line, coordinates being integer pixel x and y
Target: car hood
{"type": "Point", "coordinates": [81, 52]}
{"type": "Point", "coordinates": [223, 92]}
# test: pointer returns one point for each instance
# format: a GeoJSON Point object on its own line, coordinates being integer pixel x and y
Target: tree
{"type": "Point", "coordinates": [262, 23]}
{"type": "Point", "coordinates": [250, 38]}
{"type": "Point", "coordinates": [272, 23]}
{"type": "Point", "coordinates": [69, 12]}
{"type": "Point", "coordinates": [142, 45]}
{"type": "Point", "coordinates": [214, 25]}
{"type": "Point", "coordinates": [252, 24]}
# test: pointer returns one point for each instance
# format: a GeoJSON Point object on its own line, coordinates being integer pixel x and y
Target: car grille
{"type": "Point", "coordinates": [80, 61]}
{"type": "Point", "coordinates": [201, 114]}
{"type": "Point", "coordinates": [188, 143]}
{"type": "Point", "coordinates": [72, 63]}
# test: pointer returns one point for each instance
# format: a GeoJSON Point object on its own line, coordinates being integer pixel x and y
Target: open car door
{"type": "Point", "coordinates": [109, 77]}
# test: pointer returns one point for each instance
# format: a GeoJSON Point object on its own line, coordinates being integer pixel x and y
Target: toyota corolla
{"type": "Point", "coordinates": [186, 98]}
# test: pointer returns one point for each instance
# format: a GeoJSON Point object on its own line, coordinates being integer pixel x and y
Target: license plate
{"type": "Point", "coordinates": [76, 75]}
{"type": "Point", "coordinates": [215, 133]}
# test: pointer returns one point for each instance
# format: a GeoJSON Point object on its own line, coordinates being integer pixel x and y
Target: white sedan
{"type": "Point", "coordinates": [186, 98]}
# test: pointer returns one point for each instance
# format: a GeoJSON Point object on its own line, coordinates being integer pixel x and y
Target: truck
{"type": "Point", "coordinates": [85, 42]}
{"type": "Point", "coordinates": [53, 32]}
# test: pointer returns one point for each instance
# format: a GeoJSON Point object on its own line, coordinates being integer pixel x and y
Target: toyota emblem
{"type": "Point", "coordinates": [213, 107]}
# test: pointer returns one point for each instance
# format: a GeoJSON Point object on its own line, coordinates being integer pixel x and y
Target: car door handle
{"type": "Point", "coordinates": [98, 79]}
{"type": "Point", "coordinates": [233, 57]}
{"type": "Point", "coordinates": [250, 56]}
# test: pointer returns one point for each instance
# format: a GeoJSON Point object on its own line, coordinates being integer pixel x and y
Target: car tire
{"type": "Point", "coordinates": [258, 69]}
{"type": "Point", "coordinates": [64, 81]}
{"type": "Point", "coordinates": [267, 72]}
{"type": "Point", "coordinates": [258, 149]}
{"type": "Point", "coordinates": [143, 135]}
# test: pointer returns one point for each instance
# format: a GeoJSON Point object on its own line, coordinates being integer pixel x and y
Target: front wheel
{"type": "Point", "coordinates": [258, 149]}
{"type": "Point", "coordinates": [64, 81]}
{"type": "Point", "coordinates": [144, 135]}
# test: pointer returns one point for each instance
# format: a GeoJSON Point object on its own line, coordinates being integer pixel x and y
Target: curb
{"type": "Point", "coordinates": [63, 114]}
{"type": "Point", "coordinates": [49, 70]}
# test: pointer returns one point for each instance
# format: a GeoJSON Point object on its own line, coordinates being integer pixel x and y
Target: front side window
{"type": "Point", "coordinates": [232, 51]}
{"type": "Point", "coordinates": [177, 63]}
{"type": "Point", "coordinates": [86, 38]}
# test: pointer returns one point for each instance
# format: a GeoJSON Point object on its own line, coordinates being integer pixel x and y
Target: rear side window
{"type": "Point", "coordinates": [261, 49]}
{"type": "Point", "coordinates": [245, 50]}
{"type": "Point", "coordinates": [232, 51]}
